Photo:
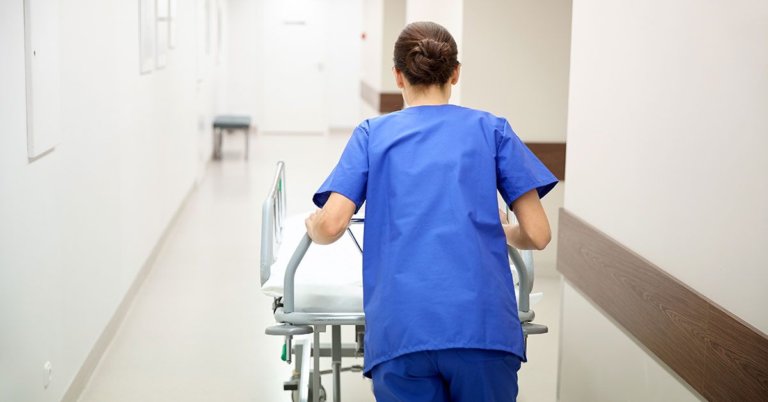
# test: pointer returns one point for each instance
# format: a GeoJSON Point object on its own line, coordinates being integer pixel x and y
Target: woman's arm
{"type": "Point", "coordinates": [532, 230]}
{"type": "Point", "coordinates": [327, 225]}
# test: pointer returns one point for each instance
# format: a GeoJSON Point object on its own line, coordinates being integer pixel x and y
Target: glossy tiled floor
{"type": "Point", "coordinates": [196, 329]}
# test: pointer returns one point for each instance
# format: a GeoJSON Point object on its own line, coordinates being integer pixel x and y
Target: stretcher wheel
{"type": "Point", "coordinates": [295, 394]}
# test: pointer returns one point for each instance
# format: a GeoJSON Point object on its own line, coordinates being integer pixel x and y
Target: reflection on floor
{"type": "Point", "coordinates": [196, 329]}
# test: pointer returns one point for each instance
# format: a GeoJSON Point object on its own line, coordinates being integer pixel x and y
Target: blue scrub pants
{"type": "Point", "coordinates": [449, 375]}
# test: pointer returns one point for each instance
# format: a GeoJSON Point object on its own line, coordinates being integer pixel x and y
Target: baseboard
{"type": "Point", "coordinates": [284, 133]}
{"type": "Point", "coordinates": [91, 362]}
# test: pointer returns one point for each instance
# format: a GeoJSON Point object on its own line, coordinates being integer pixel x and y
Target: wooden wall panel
{"type": "Point", "coordinates": [383, 102]}
{"type": "Point", "coordinates": [369, 95]}
{"type": "Point", "coordinates": [552, 155]}
{"type": "Point", "coordinates": [390, 102]}
{"type": "Point", "coordinates": [719, 355]}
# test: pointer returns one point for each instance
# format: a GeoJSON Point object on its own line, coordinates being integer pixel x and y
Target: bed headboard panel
{"type": "Point", "coordinates": [272, 221]}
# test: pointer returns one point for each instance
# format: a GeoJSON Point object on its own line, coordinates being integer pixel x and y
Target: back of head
{"type": "Point", "coordinates": [425, 53]}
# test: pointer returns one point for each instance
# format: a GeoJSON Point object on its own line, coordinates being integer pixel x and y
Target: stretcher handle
{"type": "Point", "coordinates": [524, 266]}
{"type": "Point", "coordinates": [293, 265]}
{"type": "Point", "coordinates": [523, 262]}
{"type": "Point", "coordinates": [290, 273]}
{"type": "Point", "coordinates": [524, 270]}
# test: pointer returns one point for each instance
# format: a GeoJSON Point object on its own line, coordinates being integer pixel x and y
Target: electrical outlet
{"type": "Point", "coordinates": [47, 374]}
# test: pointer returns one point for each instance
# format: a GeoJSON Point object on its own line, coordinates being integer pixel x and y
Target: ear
{"type": "Point", "coordinates": [455, 75]}
{"type": "Point", "coordinates": [399, 79]}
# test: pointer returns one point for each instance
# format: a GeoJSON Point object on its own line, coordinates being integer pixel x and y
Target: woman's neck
{"type": "Point", "coordinates": [426, 95]}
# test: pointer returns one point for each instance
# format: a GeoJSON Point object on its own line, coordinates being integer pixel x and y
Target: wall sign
{"type": "Point", "coordinates": [147, 38]}
{"type": "Point", "coordinates": [42, 75]}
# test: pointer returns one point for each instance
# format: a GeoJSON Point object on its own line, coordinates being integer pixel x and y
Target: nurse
{"type": "Point", "coordinates": [439, 300]}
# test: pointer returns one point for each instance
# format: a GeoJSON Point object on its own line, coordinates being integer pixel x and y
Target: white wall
{"type": "Point", "coordinates": [515, 63]}
{"type": "Point", "coordinates": [666, 147]}
{"type": "Point", "coordinates": [392, 25]}
{"type": "Point", "coordinates": [245, 64]}
{"type": "Point", "coordinates": [600, 362]}
{"type": "Point", "coordinates": [248, 66]}
{"type": "Point", "coordinates": [372, 45]}
{"type": "Point", "coordinates": [77, 224]}
{"type": "Point", "coordinates": [344, 58]}
{"type": "Point", "coordinates": [515, 59]}
{"type": "Point", "coordinates": [382, 23]}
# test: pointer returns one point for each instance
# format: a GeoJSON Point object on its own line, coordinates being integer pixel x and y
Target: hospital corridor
{"type": "Point", "coordinates": [196, 330]}
{"type": "Point", "coordinates": [383, 200]}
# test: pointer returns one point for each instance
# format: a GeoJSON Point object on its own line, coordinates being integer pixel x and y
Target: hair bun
{"type": "Point", "coordinates": [433, 49]}
{"type": "Point", "coordinates": [426, 53]}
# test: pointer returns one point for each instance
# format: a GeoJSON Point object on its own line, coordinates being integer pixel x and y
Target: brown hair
{"type": "Point", "coordinates": [425, 53]}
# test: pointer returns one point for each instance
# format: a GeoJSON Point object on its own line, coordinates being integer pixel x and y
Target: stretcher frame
{"type": "Point", "coordinates": [293, 323]}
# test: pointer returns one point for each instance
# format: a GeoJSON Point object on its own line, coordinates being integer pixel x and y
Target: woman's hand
{"type": "Point", "coordinates": [327, 225]}
{"type": "Point", "coordinates": [309, 223]}
{"type": "Point", "coordinates": [532, 231]}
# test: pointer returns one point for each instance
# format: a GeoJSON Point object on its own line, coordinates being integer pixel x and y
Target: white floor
{"type": "Point", "coordinates": [196, 329]}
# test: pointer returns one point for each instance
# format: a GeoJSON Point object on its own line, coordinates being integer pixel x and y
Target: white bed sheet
{"type": "Point", "coordinates": [329, 278]}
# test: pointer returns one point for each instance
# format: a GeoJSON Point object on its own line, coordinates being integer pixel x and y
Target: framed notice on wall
{"type": "Point", "coordinates": [41, 62]}
{"type": "Point", "coordinates": [162, 33]}
{"type": "Point", "coordinates": [147, 20]}
{"type": "Point", "coordinates": [172, 24]}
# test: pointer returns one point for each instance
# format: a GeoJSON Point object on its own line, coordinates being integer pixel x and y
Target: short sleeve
{"type": "Point", "coordinates": [518, 170]}
{"type": "Point", "coordinates": [350, 176]}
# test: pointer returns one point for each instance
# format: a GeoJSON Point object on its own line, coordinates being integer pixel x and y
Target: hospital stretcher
{"type": "Point", "coordinates": [328, 293]}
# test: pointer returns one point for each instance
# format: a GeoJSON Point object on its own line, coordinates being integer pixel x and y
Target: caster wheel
{"type": "Point", "coordinates": [295, 395]}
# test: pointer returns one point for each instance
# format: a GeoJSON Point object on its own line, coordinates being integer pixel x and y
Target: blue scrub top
{"type": "Point", "coordinates": [436, 274]}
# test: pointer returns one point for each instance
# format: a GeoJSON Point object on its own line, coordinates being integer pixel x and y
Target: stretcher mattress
{"type": "Point", "coordinates": [329, 278]}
